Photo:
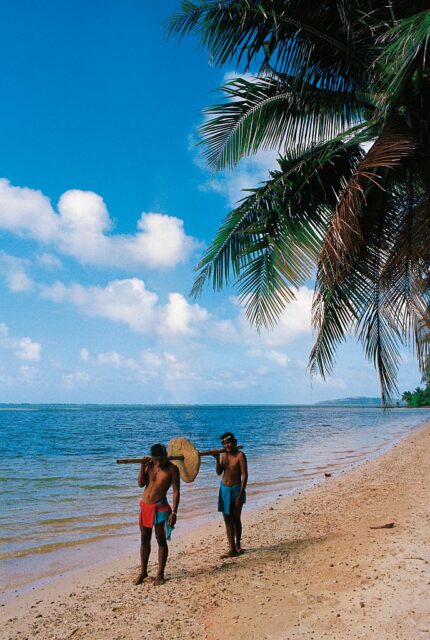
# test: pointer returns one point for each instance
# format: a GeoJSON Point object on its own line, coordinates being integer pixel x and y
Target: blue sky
{"type": "Point", "coordinates": [105, 208]}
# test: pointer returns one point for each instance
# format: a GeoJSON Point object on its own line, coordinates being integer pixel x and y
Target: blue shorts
{"type": "Point", "coordinates": [227, 495]}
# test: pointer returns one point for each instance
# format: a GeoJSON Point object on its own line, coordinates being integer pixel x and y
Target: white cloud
{"type": "Point", "coordinates": [157, 360]}
{"type": "Point", "coordinates": [152, 359]}
{"type": "Point", "coordinates": [28, 373]}
{"type": "Point", "coordinates": [294, 323]}
{"type": "Point", "coordinates": [130, 302]}
{"type": "Point", "coordinates": [56, 292]}
{"type": "Point", "coordinates": [227, 330]}
{"type": "Point", "coordinates": [28, 350]}
{"type": "Point", "coordinates": [178, 372]}
{"type": "Point", "coordinates": [248, 174]}
{"type": "Point", "coordinates": [262, 371]}
{"type": "Point", "coordinates": [271, 355]}
{"type": "Point", "coordinates": [84, 354]}
{"type": "Point", "coordinates": [27, 212]}
{"type": "Point", "coordinates": [161, 240]}
{"type": "Point", "coordinates": [71, 380]}
{"type": "Point", "coordinates": [82, 226]}
{"type": "Point", "coordinates": [115, 359]}
{"type": "Point", "coordinates": [23, 348]}
{"type": "Point", "coordinates": [19, 281]}
{"type": "Point", "coordinates": [127, 301]}
{"type": "Point", "coordinates": [331, 382]}
{"type": "Point", "coordinates": [295, 320]}
{"type": "Point", "coordinates": [49, 261]}
{"type": "Point", "coordinates": [164, 365]}
{"type": "Point", "coordinates": [179, 318]}
{"type": "Point", "coordinates": [14, 270]}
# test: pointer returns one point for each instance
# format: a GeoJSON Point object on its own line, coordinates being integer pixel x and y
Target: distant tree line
{"type": "Point", "coordinates": [418, 398]}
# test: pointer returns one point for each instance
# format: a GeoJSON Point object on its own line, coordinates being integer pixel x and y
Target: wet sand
{"type": "Point", "coordinates": [314, 568]}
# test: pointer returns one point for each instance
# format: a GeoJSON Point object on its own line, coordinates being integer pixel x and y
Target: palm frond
{"type": "Point", "coordinates": [271, 113]}
{"type": "Point", "coordinates": [263, 283]}
{"type": "Point", "coordinates": [381, 340]}
{"type": "Point", "coordinates": [406, 290]}
{"type": "Point", "coordinates": [359, 304]}
{"type": "Point", "coordinates": [344, 236]}
{"type": "Point", "coordinates": [291, 36]}
{"type": "Point", "coordinates": [405, 49]}
{"type": "Point", "coordinates": [377, 329]}
{"type": "Point", "coordinates": [358, 298]}
{"type": "Point", "coordinates": [276, 232]}
{"type": "Point", "coordinates": [334, 313]}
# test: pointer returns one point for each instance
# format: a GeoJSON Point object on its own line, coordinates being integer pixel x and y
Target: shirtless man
{"type": "Point", "coordinates": [232, 495]}
{"type": "Point", "coordinates": [157, 476]}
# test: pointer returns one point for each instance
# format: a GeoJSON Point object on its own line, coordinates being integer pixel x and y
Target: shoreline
{"type": "Point", "coordinates": [312, 565]}
{"type": "Point", "coordinates": [67, 559]}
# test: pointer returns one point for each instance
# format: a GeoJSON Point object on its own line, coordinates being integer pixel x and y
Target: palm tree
{"type": "Point", "coordinates": [341, 90]}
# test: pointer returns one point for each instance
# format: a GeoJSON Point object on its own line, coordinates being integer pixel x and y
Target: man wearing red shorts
{"type": "Point", "coordinates": [157, 476]}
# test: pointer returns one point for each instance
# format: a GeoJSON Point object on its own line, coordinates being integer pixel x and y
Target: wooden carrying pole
{"type": "Point", "coordinates": [183, 454]}
{"type": "Point", "coordinates": [143, 460]}
{"type": "Point", "coordinates": [209, 452]}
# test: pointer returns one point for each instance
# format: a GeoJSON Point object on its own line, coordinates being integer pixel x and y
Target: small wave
{"type": "Point", "coordinates": [48, 480]}
{"type": "Point", "coordinates": [95, 487]}
{"type": "Point", "coordinates": [64, 531]}
{"type": "Point", "coordinates": [90, 518]}
{"type": "Point", "coordinates": [128, 498]}
{"type": "Point", "coordinates": [54, 546]}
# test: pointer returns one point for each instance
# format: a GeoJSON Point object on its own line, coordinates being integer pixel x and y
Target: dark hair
{"type": "Point", "coordinates": [228, 434]}
{"type": "Point", "coordinates": [158, 450]}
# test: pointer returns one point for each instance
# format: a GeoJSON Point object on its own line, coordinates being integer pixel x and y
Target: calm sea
{"type": "Point", "coordinates": [62, 494]}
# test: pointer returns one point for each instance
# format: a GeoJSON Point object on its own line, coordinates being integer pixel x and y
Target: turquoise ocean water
{"type": "Point", "coordinates": [62, 494]}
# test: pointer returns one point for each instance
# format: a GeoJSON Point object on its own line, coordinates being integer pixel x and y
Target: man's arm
{"type": "Point", "coordinates": [244, 477]}
{"type": "Point", "coordinates": [219, 463]}
{"type": "Point", "coordinates": [176, 488]}
{"type": "Point", "coordinates": [142, 478]}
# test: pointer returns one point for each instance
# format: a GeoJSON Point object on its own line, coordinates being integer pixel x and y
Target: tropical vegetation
{"type": "Point", "coordinates": [341, 91]}
{"type": "Point", "coordinates": [418, 398]}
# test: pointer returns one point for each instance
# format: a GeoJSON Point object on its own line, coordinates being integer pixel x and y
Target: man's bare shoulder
{"type": "Point", "coordinates": [241, 455]}
{"type": "Point", "coordinates": [174, 470]}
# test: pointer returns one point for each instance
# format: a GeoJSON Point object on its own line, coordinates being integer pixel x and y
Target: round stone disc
{"type": "Point", "coordinates": [190, 465]}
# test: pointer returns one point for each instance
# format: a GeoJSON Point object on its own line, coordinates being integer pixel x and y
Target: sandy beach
{"type": "Point", "coordinates": [317, 565]}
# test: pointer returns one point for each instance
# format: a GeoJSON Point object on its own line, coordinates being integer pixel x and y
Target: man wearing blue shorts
{"type": "Point", "coordinates": [232, 495]}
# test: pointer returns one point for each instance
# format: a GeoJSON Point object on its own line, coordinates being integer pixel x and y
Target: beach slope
{"type": "Point", "coordinates": [319, 564]}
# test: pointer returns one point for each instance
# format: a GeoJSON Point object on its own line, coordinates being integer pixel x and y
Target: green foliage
{"type": "Point", "coordinates": [418, 398]}
{"type": "Point", "coordinates": [325, 81]}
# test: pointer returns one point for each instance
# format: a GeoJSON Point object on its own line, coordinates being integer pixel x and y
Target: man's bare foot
{"type": "Point", "coordinates": [240, 550]}
{"type": "Point", "coordinates": [159, 580]}
{"type": "Point", "coordinates": [140, 578]}
{"type": "Point", "coordinates": [230, 554]}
